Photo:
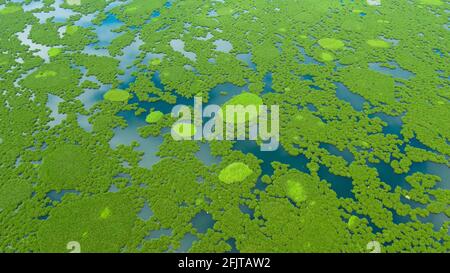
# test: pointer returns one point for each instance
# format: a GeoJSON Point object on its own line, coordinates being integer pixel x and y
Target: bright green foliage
{"type": "Point", "coordinates": [70, 30]}
{"type": "Point", "coordinates": [326, 56]}
{"type": "Point", "coordinates": [117, 95]}
{"type": "Point", "coordinates": [243, 100]}
{"type": "Point", "coordinates": [353, 222]}
{"type": "Point", "coordinates": [295, 191]}
{"type": "Point", "coordinates": [53, 52]}
{"type": "Point", "coordinates": [331, 44]}
{"type": "Point", "coordinates": [378, 43]}
{"type": "Point", "coordinates": [432, 2]}
{"type": "Point", "coordinates": [235, 172]}
{"type": "Point", "coordinates": [154, 117]}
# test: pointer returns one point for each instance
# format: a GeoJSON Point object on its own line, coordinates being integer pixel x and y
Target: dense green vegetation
{"type": "Point", "coordinates": [361, 180]}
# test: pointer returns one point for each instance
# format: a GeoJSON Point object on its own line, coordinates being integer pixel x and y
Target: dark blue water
{"type": "Point", "coordinates": [439, 52]}
{"type": "Point", "coordinates": [346, 154]}
{"type": "Point", "coordinates": [341, 185]}
{"type": "Point", "coordinates": [202, 222]}
{"type": "Point", "coordinates": [168, 4]}
{"type": "Point", "coordinates": [232, 243]}
{"type": "Point", "coordinates": [394, 124]}
{"type": "Point", "coordinates": [268, 83]}
{"type": "Point", "coordinates": [311, 107]}
{"type": "Point", "coordinates": [307, 78]}
{"type": "Point", "coordinates": [247, 210]}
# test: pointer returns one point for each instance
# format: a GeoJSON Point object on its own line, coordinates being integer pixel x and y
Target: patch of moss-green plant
{"type": "Point", "coordinates": [326, 56]}
{"type": "Point", "coordinates": [117, 95]}
{"type": "Point", "coordinates": [154, 117]}
{"type": "Point", "coordinates": [244, 100]}
{"type": "Point", "coordinates": [432, 2]}
{"type": "Point", "coordinates": [106, 213]}
{"type": "Point", "coordinates": [53, 52]}
{"type": "Point", "coordinates": [71, 30]}
{"type": "Point", "coordinates": [295, 191]}
{"type": "Point", "coordinates": [378, 43]}
{"type": "Point", "coordinates": [235, 172]}
{"type": "Point", "coordinates": [46, 74]}
{"type": "Point", "coordinates": [331, 43]}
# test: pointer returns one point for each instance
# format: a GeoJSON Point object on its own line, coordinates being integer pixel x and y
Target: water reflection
{"type": "Point", "coordinates": [52, 103]}
{"type": "Point", "coordinates": [394, 71]}
{"type": "Point", "coordinates": [146, 213]}
{"type": "Point", "coordinates": [355, 100]}
{"type": "Point", "coordinates": [125, 136]}
{"type": "Point", "coordinates": [37, 49]}
{"type": "Point", "coordinates": [202, 222]}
